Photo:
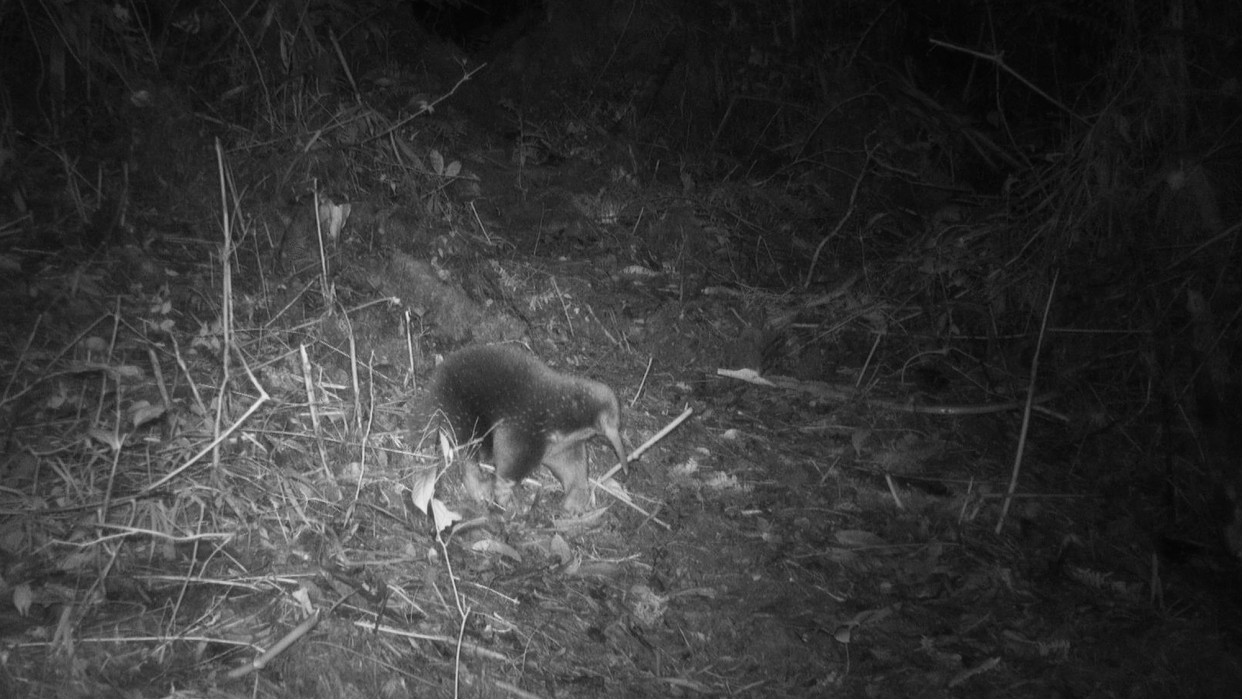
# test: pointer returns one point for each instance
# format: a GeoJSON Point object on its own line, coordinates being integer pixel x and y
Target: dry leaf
{"type": "Point", "coordinates": [859, 538]}
{"type": "Point", "coordinates": [493, 546]}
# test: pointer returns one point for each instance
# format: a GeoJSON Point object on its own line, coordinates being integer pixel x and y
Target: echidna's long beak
{"type": "Point", "coordinates": [608, 424]}
{"type": "Point", "coordinates": [613, 434]}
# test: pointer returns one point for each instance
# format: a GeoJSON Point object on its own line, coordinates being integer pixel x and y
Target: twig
{"type": "Point", "coordinates": [340, 58]}
{"type": "Point", "coordinates": [21, 358]}
{"type": "Point", "coordinates": [124, 531]}
{"type": "Point", "coordinates": [621, 497]}
{"type": "Point", "coordinates": [463, 611]}
{"type": "Point", "coordinates": [641, 384]}
{"type": "Point", "coordinates": [428, 107]}
{"type": "Point", "coordinates": [650, 442]}
{"type": "Point", "coordinates": [281, 646]}
{"type": "Point", "coordinates": [219, 438]}
{"type": "Point", "coordinates": [226, 326]}
{"type": "Point", "coordinates": [892, 489]}
{"type": "Point", "coordinates": [482, 226]}
{"type": "Point", "coordinates": [364, 428]}
{"type": "Point", "coordinates": [968, 409]}
{"type": "Point", "coordinates": [564, 307]}
{"type": "Point", "coordinates": [1030, 402]}
{"type": "Point", "coordinates": [999, 61]}
{"type": "Point", "coordinates": [226, 309]}
{"type": "Point", "coordinates": [43, 376]}
{"type": "Point", "coordinates": [189, 377]}
{"type": "Point", "coordinates": [1211, 241]}
{"type": "Point", "coordinates": [465, 646]}
{"type": "Point", "coordinates": [353, 375]}
{"type": "Point", "coordinates": [844, 393]}
{"type": "Point", "coordinates": [143, 639]}
{"type": "Point", "coordinates": [810, 273]}
{"type": "Point", "coordinates": [313, 406]}
{"type": "Point", "coordinates": [461, 634]}
{"type": "Point", "coordinates": [515, 690]}
{"type": "Point", "coordinates": [849, 60]}
{"type": "Point", "coordinates": [625, 500]}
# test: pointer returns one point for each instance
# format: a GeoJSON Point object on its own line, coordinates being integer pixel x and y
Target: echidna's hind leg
{"type": "Point", "coordinates": [569, 464]}
{"type": "Point", "coordinates": [516, 453]}
{"type": "Point", "coordinates": [478, 487]}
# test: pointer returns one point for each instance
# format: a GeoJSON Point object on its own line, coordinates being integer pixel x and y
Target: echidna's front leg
{"type": "Point", "coordinates": [569, 465]}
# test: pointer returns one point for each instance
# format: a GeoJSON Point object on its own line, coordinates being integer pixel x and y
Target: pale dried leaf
{"type": "Point", "coordinates": [423, 487]}
{"type": "Point", "coordinates": [23, 597]}
{"type": "Point", "coordinates": [442, 515]}
{"type": "Point", "coordinates": [493, 546]}
{"type": "Point", "coordinates": [859, 538]}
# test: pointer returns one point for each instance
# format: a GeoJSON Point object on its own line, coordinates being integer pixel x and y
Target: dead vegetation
{"type": "Point", "coordinates": [958, 334]}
